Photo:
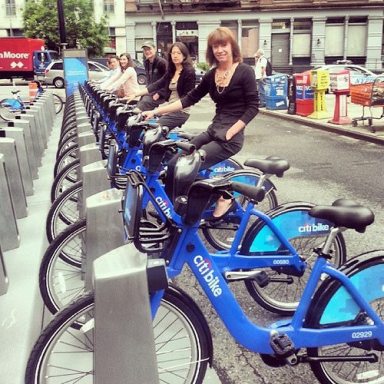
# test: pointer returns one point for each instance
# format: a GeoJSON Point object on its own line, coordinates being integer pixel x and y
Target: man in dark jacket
{"type": "Point", "coordinates": [155, 68]}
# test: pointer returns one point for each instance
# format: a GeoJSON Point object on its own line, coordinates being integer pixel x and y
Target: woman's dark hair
{"type": "Point", "coordinates": [187, 57]}
{"type": "Point", "coordinates": [222, 35]}
{"type": "Point", "coordinates": [130, 61]}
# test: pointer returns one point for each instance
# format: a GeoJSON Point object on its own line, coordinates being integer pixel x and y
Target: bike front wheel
{"type": "Point", "coordinates": [65, 349]}
{"type": "Point", "coordinates": [368, 277]}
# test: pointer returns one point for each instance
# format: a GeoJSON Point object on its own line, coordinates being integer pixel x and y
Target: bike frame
{"type": "Point", "coordinates": [190, 250]}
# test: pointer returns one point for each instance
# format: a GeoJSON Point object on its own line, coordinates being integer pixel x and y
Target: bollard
{"type": "Point", "coordinates": [18, 135]}
{"type": "Point", "coordinates": [104, 227]}
{"type": "Point", "coordinates": [85, 138]}
{"type": "Point", "coordinates": [84, 127]}
{"type": "Point", "coordinates": [12, 167]}
{"type": "Point", "coordinates": [9, 232]}
{"type": "Point", "coordinates": [124, 340]}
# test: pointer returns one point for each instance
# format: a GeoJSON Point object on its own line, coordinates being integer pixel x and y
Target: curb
{"type": "Point", "coordinates": [369, 137]}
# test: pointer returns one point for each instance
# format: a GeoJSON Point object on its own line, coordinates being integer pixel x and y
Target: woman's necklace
{"type": "Point", "coordinates": [221, 80]}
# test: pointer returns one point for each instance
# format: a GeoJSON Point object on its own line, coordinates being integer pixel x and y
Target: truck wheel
{"type": "Point", "coordinates": [58, 82]}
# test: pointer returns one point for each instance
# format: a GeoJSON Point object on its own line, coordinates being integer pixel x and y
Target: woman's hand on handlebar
{"type": "Point", "coordinates": [148, 114]}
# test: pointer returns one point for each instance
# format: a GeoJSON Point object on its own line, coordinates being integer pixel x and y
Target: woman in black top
{"type": "Point", "coordinates": [179, 79]}
{"type": "Point", "coordinates": [232, 86]}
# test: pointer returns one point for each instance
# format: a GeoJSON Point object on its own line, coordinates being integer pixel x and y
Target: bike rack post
{"type": "Point", "coordinates": [85, 138]}
{"type": "Point", "coordinates": [84, 127]}
{"type": "Point", "coordinates": [94, 181]}
{"type": "Point", "coordinates": [41, 125]}
{"type": "Point", "coordinates": [12, 166]}
{"type": "Point", "coordinates": [9, 232]}
{"type": "Point", "coordinates": [88, 154]}
{"type": "Point", "coordinates": [38, 143]}
{"type": "Point", "coordinates": [123, 331]}
{"type": "Point", "coordinates": [48, 117]}
{"type": "Point", "coordinates": [104, 227]}
{"type": "Point", "coordinates": [4, 282]}
{"type": "Point", "coordinates": [26, 127]}
{"type": "Point", "coordinates": [18, 135]}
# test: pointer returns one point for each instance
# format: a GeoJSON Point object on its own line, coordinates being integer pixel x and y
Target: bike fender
{"type": "Point", "coordinates": [292, 219]}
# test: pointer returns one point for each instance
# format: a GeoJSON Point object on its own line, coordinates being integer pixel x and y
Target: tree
{"type": "Point", "coordinates": [82, 31]}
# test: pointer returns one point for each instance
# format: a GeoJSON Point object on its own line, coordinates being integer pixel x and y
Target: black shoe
{"type": "Point", "coordinates": [231, 208]}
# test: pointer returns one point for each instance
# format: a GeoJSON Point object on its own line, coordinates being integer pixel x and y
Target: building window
{"type": "Point", "coordinates": [302, 37]}
{"type": "Point", "coordinates": [112, 38]}
{"type": "Point", "coordinates": [249, 39]}
{"type": "Point", "coordinates": [10, 7]}
{"type": "Point", "coordinates": [109, 6]}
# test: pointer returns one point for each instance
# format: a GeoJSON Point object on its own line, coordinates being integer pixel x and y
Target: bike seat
{"type": "Point", "coordinates": [345, 213]}
{"type": "Point", "coordinates": [271, 165]}
{"type": "Point", "coordinates": [15, 92]}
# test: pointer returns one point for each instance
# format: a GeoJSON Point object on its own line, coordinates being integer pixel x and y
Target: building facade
{"type": "Point", "coordinates": [295, 34]}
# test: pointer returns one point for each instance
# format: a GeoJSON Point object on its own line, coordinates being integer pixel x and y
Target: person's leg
{"type": "Point", "coordinates": [173, 120]}
{"type": "Point", "coordinates": [146, 103]}
{"type": "Point", "coordinates": [261, 90]}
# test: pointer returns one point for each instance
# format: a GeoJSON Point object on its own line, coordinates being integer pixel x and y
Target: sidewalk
{"type": "Point", "coordinates": [362, 131]}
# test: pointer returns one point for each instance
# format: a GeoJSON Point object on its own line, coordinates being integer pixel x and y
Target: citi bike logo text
{"type": "Point", "coordinates": [206, 271]}
{"type": "Point", "coordinates": [164, 207]}
{"type": "Point", "coordinates": [223, 169]}
{"type": "Point", "coordinates": [308, 228]}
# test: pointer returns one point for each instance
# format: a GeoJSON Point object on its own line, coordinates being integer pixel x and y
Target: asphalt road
{"type": "Point", "coordinates": [324, 167]}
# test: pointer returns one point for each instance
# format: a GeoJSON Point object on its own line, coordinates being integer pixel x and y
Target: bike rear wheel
{"type": "Point", "coordinates": [58, 102]}
{"type": "Point", "coordinates": [66, 349]}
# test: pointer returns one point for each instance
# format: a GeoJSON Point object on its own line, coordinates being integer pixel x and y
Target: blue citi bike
{"type": "Point", "coordinates": [337, 328]}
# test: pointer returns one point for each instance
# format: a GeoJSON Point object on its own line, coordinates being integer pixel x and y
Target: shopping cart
{"type": "Point", "coordinates": [369, 95]}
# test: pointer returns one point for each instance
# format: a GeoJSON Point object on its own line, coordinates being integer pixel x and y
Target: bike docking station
{"type": "Point", "coordinates": [15, 182]}
{"type": "Point", "coordinates": [124, 339]}
{"type": "Point", "coordinates": [25, 126]}
{"type": "Point", "coordinates": [18, 135]}
{"type": "Point", "coordinates": [38, 142]}
{"type": "Point", "coordinates": [4, 282]}
{"type": "Point", "coordinates": [9, 232]}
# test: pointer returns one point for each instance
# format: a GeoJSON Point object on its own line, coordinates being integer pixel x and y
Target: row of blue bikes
{"type": "Point", "coordinates": [291, 257]}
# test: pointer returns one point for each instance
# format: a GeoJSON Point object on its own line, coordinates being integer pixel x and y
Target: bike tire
{"type": "Point", "coordinates": [282, 294]}
{"type": "Point", "coordinates": [56, 352]}
{"type": "Point", "coordinates": [67, 156]}
{"type": "Point", "coordinates": [61, 278]}
{"type": "Point", "coordinates": [64, 211]}
{"type": "Point", "coordinates": [58, 103]}
{"type": "Point", "coordinates": [65, 179]}
{"type": "Point", "coordinates": [371, 287]}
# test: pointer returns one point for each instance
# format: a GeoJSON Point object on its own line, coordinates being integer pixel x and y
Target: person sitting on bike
{"type": "Point", "coordinates": [124, 82]}
{"type": "Point", "coordinates": [232, 86]}
{"type": "Point", "coordinates": [179, 79]}
{"type": "Point", "coordinates": [155, 68]}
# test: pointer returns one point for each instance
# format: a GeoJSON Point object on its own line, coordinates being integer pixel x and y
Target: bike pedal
{"type": "Point", "coordinates": [262, 279]}
{"type": "Point", "coordinates": [282, 345]}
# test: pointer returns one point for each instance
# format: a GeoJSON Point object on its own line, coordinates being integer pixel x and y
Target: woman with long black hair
{"type": "Point", "coordinates": [179, 79]}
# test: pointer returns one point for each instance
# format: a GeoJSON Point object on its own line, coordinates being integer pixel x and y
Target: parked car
{"type": "Point", "coordinates": [358, 74]}
{"type": "Point", "coordinates": [141, 74]}
{"type": "Point", "coordinates": [54, 73]}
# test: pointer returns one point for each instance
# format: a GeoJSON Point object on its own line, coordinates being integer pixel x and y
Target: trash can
{"type": "Point", "coordinates": [304, 93]}
{"type": "Point", "coordinates": [276, 92]}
